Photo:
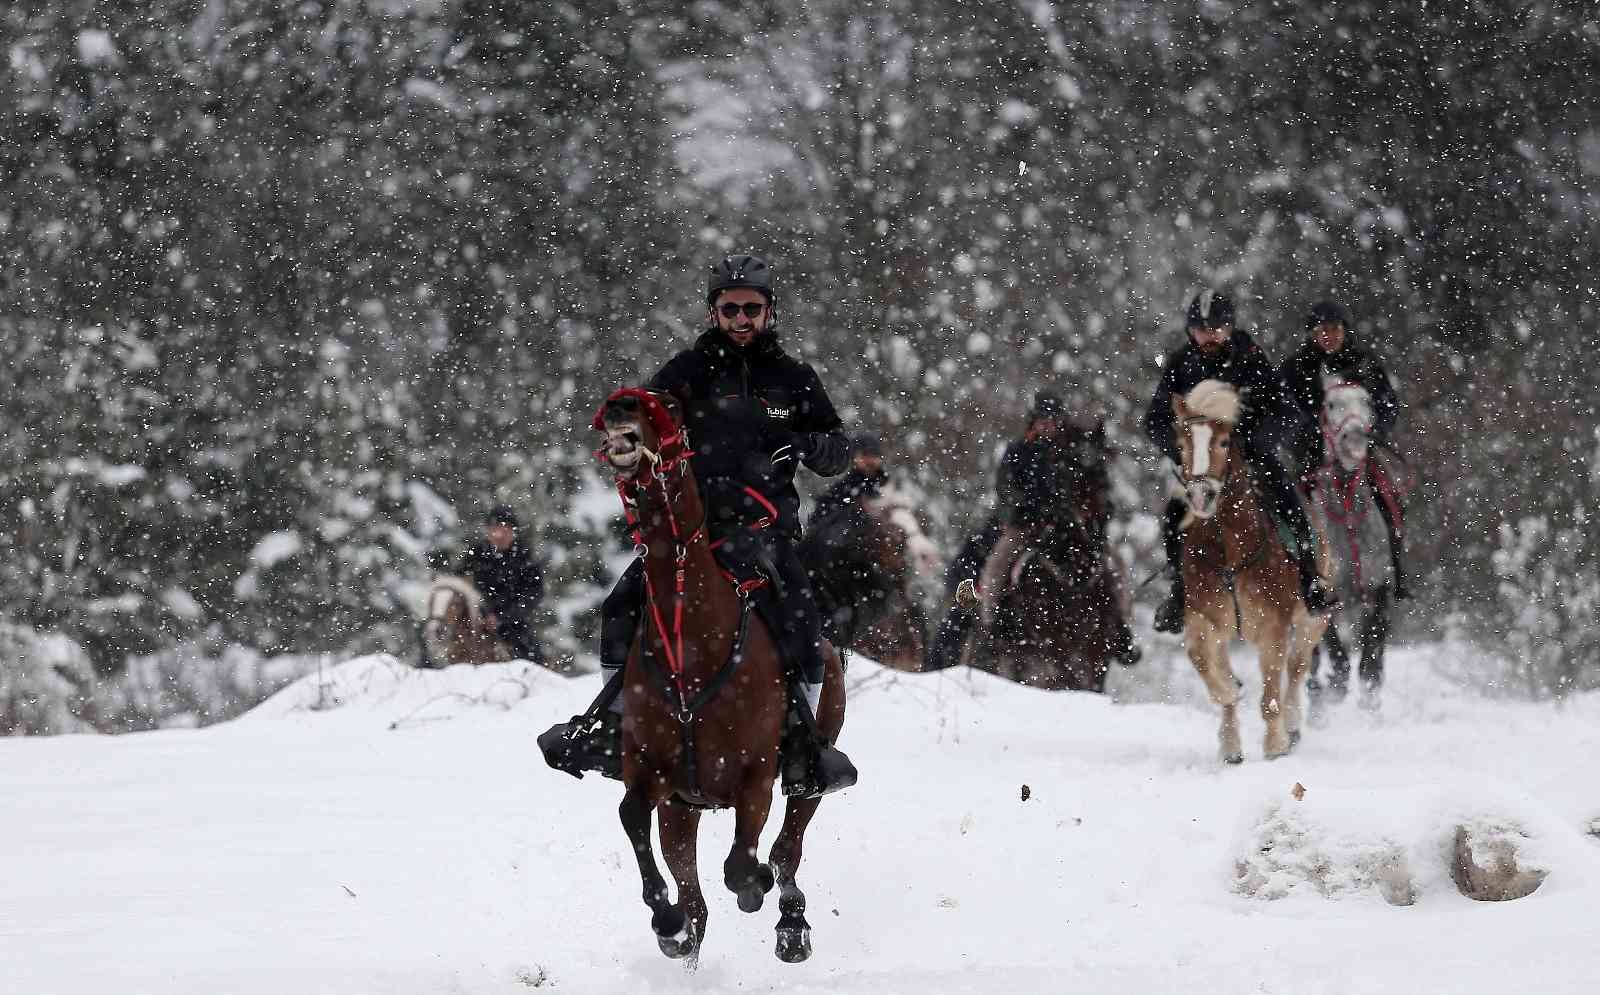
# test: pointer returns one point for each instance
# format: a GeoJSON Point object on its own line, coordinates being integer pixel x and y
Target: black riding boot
{"type": "Point", "coordinates": [810, 765]}
{"type": "Point", "coordinates": [1169, 616]}
{"type": "Point", "coordinates": [578, 746]}
{"type": "Point", "coordinates": [593, 741]}
{"type": "Point", "coordinates": [1397, 546]}
{"type": "Point", "coordinates": [1319, 598]}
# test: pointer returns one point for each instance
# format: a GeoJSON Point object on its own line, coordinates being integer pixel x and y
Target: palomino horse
{"type": "Point", "coordinates": [704, 696]}
{"type": "Point", "coordinates": [1343, 496]}
{"type": "Point", "coordinates": [1240, 580]}
{"type": "Point", "coordinates": [1057, 626]}
{"type": "Point", "coordinates": [455, 631]}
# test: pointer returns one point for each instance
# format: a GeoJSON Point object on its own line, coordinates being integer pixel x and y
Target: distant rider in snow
{"type": "Point", "coordinates": [1216, 350]}
{"type": "Point", "coordinates": [505, 572]}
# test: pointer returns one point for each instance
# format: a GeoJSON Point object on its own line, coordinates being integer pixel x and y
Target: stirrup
{"type": "Point", "coordinates": [1320, 600]}
{"type": "Point", "coordinates": [815, 769]}
{"type": "Point", "coordinates": [577, 747]}
{"type": "Point", "coordinates": [1169, 614]}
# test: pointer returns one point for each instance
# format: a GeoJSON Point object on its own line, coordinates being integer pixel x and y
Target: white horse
{"type": "Point", "coordinates": [1343, 498]}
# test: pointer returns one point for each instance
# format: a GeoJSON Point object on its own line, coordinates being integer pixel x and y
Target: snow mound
{"type": "Point", "coordinates": [381, 687]}
{"type": "Point", "coordinates": [1396, 841]}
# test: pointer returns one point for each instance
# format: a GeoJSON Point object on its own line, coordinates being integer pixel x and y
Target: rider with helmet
{"type": "Point", "coordinates": [1216, 350]}
{"type": "Point", "coordinates": [753, 414]}
{"type": "Point", "coordinates": [504, 570]}
{"type": "Point", "coordinates": [1331, 348]}
{"type": "Point", "coordinates": [1031, 480]}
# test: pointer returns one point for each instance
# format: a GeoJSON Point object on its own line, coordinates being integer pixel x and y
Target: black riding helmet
{"type": "Point", "coordinates": [1327, 311]}
{"type": "Point", "coordinates": [733, 272]}
{"type": "Point", "coordinates": [1210, 309]}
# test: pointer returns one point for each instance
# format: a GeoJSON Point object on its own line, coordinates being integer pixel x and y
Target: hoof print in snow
{"type": "Point", "coordinates": [1489, 863]}
{"type": "Point", "coordinates": [1593, 829]}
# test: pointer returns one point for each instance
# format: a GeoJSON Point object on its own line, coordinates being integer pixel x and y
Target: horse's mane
{"type": "Point", "coordinates": [1214, 400]}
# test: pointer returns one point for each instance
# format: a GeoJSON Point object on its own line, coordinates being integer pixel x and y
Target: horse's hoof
{"type": "Point", "coordinates": [751, 900]}
{"type": "Point", "coordinates": [1233, 758]}
{"type": "Point", "coordinates": [794, 944]}
{"type": "Point", "coordinates": [680, 945]}
{"type": "Point", "coordinates": [1294, 740]}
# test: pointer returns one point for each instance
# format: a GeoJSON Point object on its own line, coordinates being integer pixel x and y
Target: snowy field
{"type": "Point", "coordinates": [377, 829]}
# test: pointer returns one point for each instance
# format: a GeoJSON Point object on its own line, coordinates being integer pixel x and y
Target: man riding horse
{"type": "Point", "coordinates": [1036, 474]}
{"type": "Point", "coordinates": [1331, 348]}
{"type": "Point", "coordinates": [505, 572]}
{"type": "Point", "coordinates": [850, 584]}
{"type": "Point", "coordinates": [1216, 350]}
{"type": "Point", "coordinates": [752, 413]}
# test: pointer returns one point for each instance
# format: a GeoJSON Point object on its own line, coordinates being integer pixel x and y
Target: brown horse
{"type": "Point", "coordinates": [867, 557]}
{"type": "Point", "coordinates": [1056, 626]}
{"type": "Point", "coordinates": [704, 696]}
{"type": "Point", "coordinates": [1239, 578]}
{"type": "Point", "coordinates": [455, 631]}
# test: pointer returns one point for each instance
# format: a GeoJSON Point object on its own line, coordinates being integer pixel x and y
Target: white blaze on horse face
{"type": "Point", "coordinates": [1201, 434]}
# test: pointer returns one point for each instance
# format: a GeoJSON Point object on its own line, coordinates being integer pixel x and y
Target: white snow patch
{"type": "Point", "coordinates": [275, 547]}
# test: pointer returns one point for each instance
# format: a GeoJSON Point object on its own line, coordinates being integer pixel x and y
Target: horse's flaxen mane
{"type": "Point", "coordinates": [1214, 400]}
{"type": "Point", "coordinates": [462, 586]}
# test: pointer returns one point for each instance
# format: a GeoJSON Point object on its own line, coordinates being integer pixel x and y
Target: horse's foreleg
{"type": "Point", "coordinates": [794, 933]}
{"type": "Point", "coordinates": [666, 918]}
{"type": "Point", "coordinates": [744, 874]}
{"type": "Point", "coordinates": [1273, 650]}
{"type": "Point", "coordinates": [1208, 651]}
{"type": "Point", "coordinates": [680, 831]}
{"type": "Point", "coordinates": [1302, 647]}
{"type": "Point", "coordinates": [1374, 638]}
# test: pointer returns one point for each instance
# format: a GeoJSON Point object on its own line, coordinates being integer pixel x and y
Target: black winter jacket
{"type": "Point", "coordinates": [511, 582]}
{"type": "Point", "coordinates": [854, 490]}
{"type": "Point", "coordinates": [1302, 378]}
{"type": "Point", "coordinates": [1269, 417]}
{"type": "Point", "coordinates": [742, 404]}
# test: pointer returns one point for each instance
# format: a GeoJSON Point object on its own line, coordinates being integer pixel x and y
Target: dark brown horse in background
{"type": "Point", "coordinates": [864, 562]}
{"type": "Point", "coordinates": [1057, 625]}
{"type": "Point", "coordinates": [704, 696]}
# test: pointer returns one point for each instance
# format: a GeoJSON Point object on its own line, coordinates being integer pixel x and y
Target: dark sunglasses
{"type": "Point", "coordinates": [731, 311]}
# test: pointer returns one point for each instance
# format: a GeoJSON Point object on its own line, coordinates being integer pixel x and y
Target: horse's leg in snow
{"type": "Point", "coordinates": [1272, 647]}
{"type": "Point", "coordinates": [680, 831]}
{"type": "Point", "coordinates": [1302, 646]}
{"type": "Point", "coordinates": [1338, 659]}
{"type": "Point", "coordinates": [745, 875]}
{"type": "Point", "coordinates": [1208, 651]}
{"type": "Point", "coordinates": [1374, 637]}
{"type": "Point", "coordinates": [794, 933]}
{"type": "Point", "coordinates": [666, 919]}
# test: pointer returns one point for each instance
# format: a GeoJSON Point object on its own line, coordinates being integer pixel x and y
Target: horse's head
{"type": "Point", "coordinates": [1346, 422]}
{"type": "Point", "coordinates": [642, 429]}
{"type": "Point", "coordinates": [1206, 418]}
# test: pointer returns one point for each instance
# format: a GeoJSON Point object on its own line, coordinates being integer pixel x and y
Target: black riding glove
{"type": "Point", "coordinates": [788, 448]}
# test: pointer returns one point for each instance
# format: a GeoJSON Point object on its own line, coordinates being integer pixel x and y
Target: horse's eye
{"type": "Point", "coordinates": [1225, 443]}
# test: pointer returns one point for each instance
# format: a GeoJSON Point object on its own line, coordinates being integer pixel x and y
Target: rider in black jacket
{"type": "Point", "coordinates": [1331, 347]}
{"type": "Point", "coordinates": [505, 572]}
{"type": "Point", "coordinates": [753, 414]}
{"type": "Point", "coordinates": [1216, 350]}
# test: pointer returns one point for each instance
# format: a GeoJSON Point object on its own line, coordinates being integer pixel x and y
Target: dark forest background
{"type": "Point", "coordinates": [290, 292]}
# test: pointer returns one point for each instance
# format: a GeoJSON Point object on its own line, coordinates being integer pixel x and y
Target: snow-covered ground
{"type": "Point", "coordinates": [378, 829]}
